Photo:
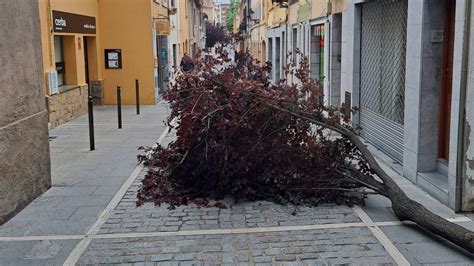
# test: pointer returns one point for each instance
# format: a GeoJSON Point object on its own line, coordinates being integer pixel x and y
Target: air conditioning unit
{"type": "Point", "coordinates": [53, 82]}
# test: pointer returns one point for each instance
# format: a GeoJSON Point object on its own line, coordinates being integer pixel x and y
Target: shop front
{"type": "Point", "coordinates": [70, 58]}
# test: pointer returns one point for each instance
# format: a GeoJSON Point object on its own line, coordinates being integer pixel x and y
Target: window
{"type": "Point", "coordinates": [270, 55]}
{"type": "Point", "coordinates": [174, 55]}
{"type": "Point", "coordinates": [173, 3]}
{"type": "Point", "coordinates": [295, 44]}
{"type": "Point", "coordinates": [277, 59]}
{"type": "Point", "coordinates": [283, 50]}
{"type": "Point", "coordinates": [59, 59]}
{"type": "Point", "coordinates": [317, 52]}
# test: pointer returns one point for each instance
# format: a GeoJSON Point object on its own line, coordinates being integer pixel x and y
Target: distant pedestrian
{"type": "Point", "coordinates": [187, 63]}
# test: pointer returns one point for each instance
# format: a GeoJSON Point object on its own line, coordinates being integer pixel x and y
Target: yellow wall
{"type": "Point", "coordinates": [293, 13]}
{"type": "Point", "coordinates": [184, 27]}
{"type": "Point", "coordinates": [133, 34]}
{"type": "Point", "coordinates": [75, 73]}
{"type": "Point", "coordinates": [258, 33]}
{"type": "Point", "coordinates": [276, 16]}
{"type": "Point", "coordinates": [162, 23]}
{"type": "Point", "coordinates": [338, 6]}
{"type": "Point", "coordinates": [318, 8]}
{"type": "Point", "coordinates": [120, 24]}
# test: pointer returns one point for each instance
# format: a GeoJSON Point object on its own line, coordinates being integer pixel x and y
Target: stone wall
{"type": "Point", "coordinates": [24, 149]}
{"type": "Point", "coordinates": [67, 105]}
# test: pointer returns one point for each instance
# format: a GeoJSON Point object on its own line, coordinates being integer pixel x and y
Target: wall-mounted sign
{"type": "Point", "coordinates": [437, 35]}
{"type": "Point", "coordinates": [73, 23]}
{"type": "Point", "coordinates": [113, 58]}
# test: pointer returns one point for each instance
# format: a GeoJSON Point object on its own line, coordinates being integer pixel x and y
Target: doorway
{"type": "Point", "coordinates": [86, 61]}
{"type": "Point", "coordinates": [163, 68]}
{"type": "Point", "coordinates": [446, 80]}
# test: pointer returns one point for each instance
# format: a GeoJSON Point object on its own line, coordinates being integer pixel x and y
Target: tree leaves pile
{"type": "Point", "coordinates": [230, 143]}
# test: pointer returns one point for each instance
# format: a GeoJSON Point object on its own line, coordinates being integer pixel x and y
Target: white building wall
{"type": "Point", "coordinates": [422, 98]}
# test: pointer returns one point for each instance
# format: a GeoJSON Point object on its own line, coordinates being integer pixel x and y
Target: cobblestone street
{"type": "Point", "coordinates": [89, 216]}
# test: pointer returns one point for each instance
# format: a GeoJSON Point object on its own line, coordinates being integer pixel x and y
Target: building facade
{"type": "Point", "coordinates": [209, 10]}
{"type": "Point", "coordinates": [187, 31]}
{"type": "Point", "coordinates": [404, 64]}
{"type": "Point", "coordinates": [24, 147]}
{"type": "Point", "coordinates": [221, 12]}
{"type": "Point", "coordinates": [93, 44]}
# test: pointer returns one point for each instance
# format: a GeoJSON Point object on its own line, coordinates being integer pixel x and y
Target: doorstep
{"type": "Point", "coordinates": [434, 183]}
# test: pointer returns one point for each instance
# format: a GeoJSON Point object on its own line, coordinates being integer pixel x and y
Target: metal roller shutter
{"type": "Point", "coordinates": [382, 75]}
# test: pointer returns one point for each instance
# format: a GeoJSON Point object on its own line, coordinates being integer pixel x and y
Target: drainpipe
{"type": "Point", "coordinates": [329, 55]}
{"type": "Point", "coordinates": [50, 32]}
{"type": "Point", "coordinates": [287, 38]}
{"type": "Point", "coordinates": [462, 108]}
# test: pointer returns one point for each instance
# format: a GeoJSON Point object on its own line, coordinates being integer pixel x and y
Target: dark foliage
{"type": "Point", "coordinates": [216, 34]}
{"type": "Point", "coordinates": [229, 143]}
{"type": "Point", "coordinates": [240, 135]}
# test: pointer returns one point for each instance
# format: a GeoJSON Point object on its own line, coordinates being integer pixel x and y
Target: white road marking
{"type": "Point", "coordinates": [392, 250]}
{"type": "Point", "coordinates": [40, 238]}
{"type": "Point", "coordinates": [213, 231]}
{"type": "Point", "coordinates": [453, 219]}
{"type": "Point", "coordinates": [84, 243]}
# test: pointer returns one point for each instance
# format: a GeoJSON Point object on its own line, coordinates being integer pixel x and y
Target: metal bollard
{"type": "Point", "coordinates": [137, 92]}
{"type": "Point", "coordinates": [119, 107]}
{"type": "Point", "coordinates": [91, 122]}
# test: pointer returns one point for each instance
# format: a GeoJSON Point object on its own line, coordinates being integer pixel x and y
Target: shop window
{"type": "Point", "coordinates": [317, 52]}
{"type": "Point", "coordinates": [59, 59]}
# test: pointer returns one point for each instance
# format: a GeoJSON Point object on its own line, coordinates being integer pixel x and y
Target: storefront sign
{"type": "Point", "coordinates": [113, 58]}
{"type": "Point", "coordinates": [73, 23]}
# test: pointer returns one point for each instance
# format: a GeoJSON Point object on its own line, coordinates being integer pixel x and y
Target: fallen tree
{"type": "Point", "coordinates": [240, 135]}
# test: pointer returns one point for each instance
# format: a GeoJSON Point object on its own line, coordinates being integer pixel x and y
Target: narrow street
{"type": "Point", "coordinates": [89, 216]}
{"type": "Point", "coordinates": [280, 102]}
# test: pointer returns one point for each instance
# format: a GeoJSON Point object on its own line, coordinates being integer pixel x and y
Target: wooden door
{"type": "Point", "coordinates": [446, 80]}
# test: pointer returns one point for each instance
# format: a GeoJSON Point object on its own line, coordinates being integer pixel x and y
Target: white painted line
{"type": "Point", "coordinates": [135, 125]}
{"type": "Point", "coordinates": [206, 232]}
{"type": "Point", "coordinates": [392, 250]}
{"type": "Point", "coordinates": [389, 223]}
{"type": "Point", "coordinates": [134, 235]}
{"type": "Point", "coordinates": [187, 232]}
{"type": "Point", "coordinates": [229, 231]}
{"type": "Point", "coordinates": [40, 238]}
{"type": "Point", "coordinates": [459, 219]}
{"type": "Point", "coordinates": [392, 223]}
{"type": "Point", "coordinates": [84, 243]}
{"type": "Point", "coordinates": [213, 231]}
{"type": "Point", "coordinates": [115, 201]}
{"type": "Point", "coordinates": [77, 252]}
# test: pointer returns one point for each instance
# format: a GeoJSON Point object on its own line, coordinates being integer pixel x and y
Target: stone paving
{"type": "Point", "coordinates": [336, 246]}
{"type": "Point", "coordinates": [89, 216]}
{"type": "Point", "coordinates": [126, 218]}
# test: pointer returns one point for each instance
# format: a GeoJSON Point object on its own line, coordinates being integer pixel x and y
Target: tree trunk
{"type": "Point", "coordinates": [405, 208]}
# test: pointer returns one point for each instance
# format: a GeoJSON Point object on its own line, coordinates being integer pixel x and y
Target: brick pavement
{"type": "Point", "coordinates": [126, 218]}
{"type": "Point", "coordinates": [337, 246]}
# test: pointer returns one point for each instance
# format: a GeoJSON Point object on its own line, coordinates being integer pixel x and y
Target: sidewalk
{"type": "Point", "coordinates": [84, 182]}
{"type": "Point", "coordinates": [89, 216]}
